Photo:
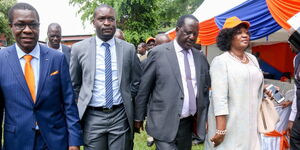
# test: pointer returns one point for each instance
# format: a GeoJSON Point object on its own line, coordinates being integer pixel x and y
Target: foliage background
{"type": "Point", "coordinates": [140, 19]}
{"type": "Point", "coordinates": [4, 25]}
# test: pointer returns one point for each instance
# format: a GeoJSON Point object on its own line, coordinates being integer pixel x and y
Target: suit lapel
{"type": "Point", "coordinates": [119, 53]}
{"type": "Point", "coordinates": [44, 69]}
{"type": "Point", "coordinates": [197, 64]}
{"type": "Point", "coordinates": [172, 58]}
{"type": "Point", "coordinates": [14, 63]}
{"type": "Point", "coordinates": [91, 49]}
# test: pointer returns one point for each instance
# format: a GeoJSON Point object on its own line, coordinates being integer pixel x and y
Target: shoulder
{"type": "Point", "coordinates": [50, 51]}
{"type": "Point", "coordinates": [7, 49]}
{"type": "Point", "coordinates": [84, 42]}
{"type": "Point", "coordinates": [65, 47]}
{"type": "Point", "coordinates": [126, 45]}
{"type": "Point", "coordinates": [163, 48]}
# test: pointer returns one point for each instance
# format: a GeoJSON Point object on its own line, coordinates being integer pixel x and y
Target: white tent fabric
{"type": "Point", "coordinates": [211, 8]}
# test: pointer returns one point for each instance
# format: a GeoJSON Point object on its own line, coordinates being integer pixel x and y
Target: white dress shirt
{"type": "Point", "coordinates": [98, 98]}
{"type": "Point", "coordinates": [59, 49]}
{"type": "Point", "coordinates": [35, 62]}
{"type": "Point", "coordinates": [180, 57]}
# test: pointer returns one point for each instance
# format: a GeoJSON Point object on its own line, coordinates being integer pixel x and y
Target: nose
{"type": "Point", "coordinates": [244, 34]}
{"type": "Point", "coordinates": [27, 29]}
{"type": "Point", "coordinates": [106, 22]}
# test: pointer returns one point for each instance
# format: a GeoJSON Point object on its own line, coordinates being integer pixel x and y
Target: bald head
{"type": "Point", "coordinates": [54, 35]}
{"type": "Point", "coordinates": [119, 34]}
{"type": "Point", "coordinates": [161, 39]}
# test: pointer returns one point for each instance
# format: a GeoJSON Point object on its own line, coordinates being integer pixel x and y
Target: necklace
{"type": "Point", "coordinates": [243, 60]}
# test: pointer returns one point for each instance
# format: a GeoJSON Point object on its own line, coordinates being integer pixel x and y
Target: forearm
{"type": "Point", "coordinates": [221, 122]}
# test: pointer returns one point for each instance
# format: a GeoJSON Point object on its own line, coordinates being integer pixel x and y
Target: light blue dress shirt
{"type": "Point", "coordinates": [35, 62]}
{"type": "Point", "coordinates": [98, 97]}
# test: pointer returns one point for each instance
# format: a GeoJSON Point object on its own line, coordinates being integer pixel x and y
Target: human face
{"type": "Point", "coordinates": [105, 23]}
{"type": "Point", "coordinates": [151, 44]}
{"type": "Point", "coordinates": [141, 49]}
{"type": "Point", "coordinates": [54, 36]}
{"type": "Point", "coordinates": [26, 38]}
{"type": "Point", "coordinates": [241, 40]}
{"type": "Point", "coordinates": [187, 34]}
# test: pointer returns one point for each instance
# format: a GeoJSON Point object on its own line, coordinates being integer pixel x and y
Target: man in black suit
{"type": "Point", "coordinates": [174, 87]}
{"type": "Point", "coordinates": [54, 36]}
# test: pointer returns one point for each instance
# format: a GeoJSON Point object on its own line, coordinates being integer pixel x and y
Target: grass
{"type": "Point", "coordinates": [140, 143]}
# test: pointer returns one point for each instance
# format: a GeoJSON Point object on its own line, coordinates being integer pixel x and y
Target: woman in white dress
{"type": "Point", "coordinates": [237, 90]}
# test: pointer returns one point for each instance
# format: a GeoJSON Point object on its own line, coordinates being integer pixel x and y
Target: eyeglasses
{"type": "Point", "coordinates": [22, 26]}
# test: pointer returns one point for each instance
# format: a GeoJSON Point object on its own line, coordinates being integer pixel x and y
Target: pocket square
{"type": "Point", "coordinates": [54, 73]}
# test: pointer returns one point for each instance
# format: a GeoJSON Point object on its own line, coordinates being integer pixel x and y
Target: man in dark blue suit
{"type": "Point", "coordinates": [35, 90]}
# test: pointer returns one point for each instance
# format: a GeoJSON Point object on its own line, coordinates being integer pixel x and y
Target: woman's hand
{"type": "Point", "coordinates": [217, 139]}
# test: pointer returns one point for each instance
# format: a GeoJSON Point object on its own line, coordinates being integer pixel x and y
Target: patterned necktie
{"type": "Point", "coordinates": [192, 98]}
{"type": "Point", "coordinates": [108, 77]}
{"type": "Point", "coordinates": [29, 76]}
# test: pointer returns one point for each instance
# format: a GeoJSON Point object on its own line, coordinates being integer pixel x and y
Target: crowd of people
{"type": "Point", "coordinates": [99, 92]}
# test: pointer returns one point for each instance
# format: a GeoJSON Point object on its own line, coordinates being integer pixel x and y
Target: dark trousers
{"type": "Point", "coordinates": [295, 134]}
{"type": "Point", "coordinates": [183, 139]}
{"type": "Point", "coordinates": [105, 130]}
{"type": "Point", "coordinates": [39, 143]}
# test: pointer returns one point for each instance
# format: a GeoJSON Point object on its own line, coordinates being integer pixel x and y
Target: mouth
{"type": "Point", "coordinates": [245, 42]}
{"type": "Point", "coordinates": [27, 39]}
{"type": "Point", "coordinates": [108, 30]}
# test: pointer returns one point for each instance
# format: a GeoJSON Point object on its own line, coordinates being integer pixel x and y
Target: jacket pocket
{"type": "Point", "coordinates": [9, 128]}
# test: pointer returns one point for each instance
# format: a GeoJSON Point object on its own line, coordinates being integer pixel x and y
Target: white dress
{"type": "Point", "coordinates": [237, 93]}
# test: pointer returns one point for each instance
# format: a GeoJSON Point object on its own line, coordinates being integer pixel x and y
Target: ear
{"type": "Point", "coordinates": [177, 28]}
{"type": "Point", "coordinates": [10, 25]}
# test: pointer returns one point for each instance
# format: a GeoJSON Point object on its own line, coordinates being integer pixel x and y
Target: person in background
{"type": "Point", "coordinates": [161, 38]}
{"type": "Point", "coordinates": [150, 41]}
{"type": "Point", "coordinates": [237, 90]}
{"type": "Point", "coordinates": [294, 123]}
{"type": "Point", "coordinates": [54, 37]}
{"type": "Point", "coordinates": [105, 73]}
{"type": "Point", "coordinates": [36, 92]}
{"type": "Point", "coordinates": [142, 51]}
{"type": "Point", "coordinates": [174, 90]}
{"type": "Point", "coordinates": [119, 34]}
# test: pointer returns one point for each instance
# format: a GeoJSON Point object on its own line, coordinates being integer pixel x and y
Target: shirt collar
{"type": "Point", "coordinates": [178, 48]}
{"type": "Point", "coordinates": [35, 52]}
{"type": "Point", "coordinates": [99, 42]}
{"type": "Point", "coordinates": [60, 47]}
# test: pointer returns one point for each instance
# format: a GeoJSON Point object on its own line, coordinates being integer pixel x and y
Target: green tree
{"type": "Point", "coordinates": [4, 24]}
{"type": "Point", "coordinates": [140, 19]}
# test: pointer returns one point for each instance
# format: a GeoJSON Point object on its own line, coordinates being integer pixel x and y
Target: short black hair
{"type": "Point", "coordinates": [180, 21]}
{"type": "Point", "coordinates": [226, 36]}
{"type": "Point", "coordinates": [21, 6]}
{"type": "Point", "coordinates": [100, 6]}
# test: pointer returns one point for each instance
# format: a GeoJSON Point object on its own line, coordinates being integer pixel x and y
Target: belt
{"type": "Point", "coordinates": [104, 109]}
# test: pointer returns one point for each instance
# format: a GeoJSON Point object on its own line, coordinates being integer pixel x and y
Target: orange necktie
{"type": "Point", "coordinates": [29, 76]}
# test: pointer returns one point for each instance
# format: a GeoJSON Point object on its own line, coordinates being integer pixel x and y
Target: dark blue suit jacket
{"type": "Point", "coordinates": [55, 110]}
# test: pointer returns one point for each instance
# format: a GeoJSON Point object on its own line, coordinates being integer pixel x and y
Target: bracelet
{"type": "Point", "coordinates": [221, 132]}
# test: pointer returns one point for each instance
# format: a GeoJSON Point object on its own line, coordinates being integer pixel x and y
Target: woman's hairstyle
{"type": "Point", "coordinates": [225, 37]}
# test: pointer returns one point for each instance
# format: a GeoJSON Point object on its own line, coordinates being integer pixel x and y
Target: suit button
{"type": "Point", "coordinates": [181, 98]}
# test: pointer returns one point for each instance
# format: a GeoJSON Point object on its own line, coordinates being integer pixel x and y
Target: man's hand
{"type": "Point", "coordinates": [289, 128]}
{"type": "Point", "coordinates": [74, 148]}
{"type": "Point", "coordinates": [137, 126]}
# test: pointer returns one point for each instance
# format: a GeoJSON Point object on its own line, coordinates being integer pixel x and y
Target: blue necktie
{"type": "Point", "coordinates": [108, 77]}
